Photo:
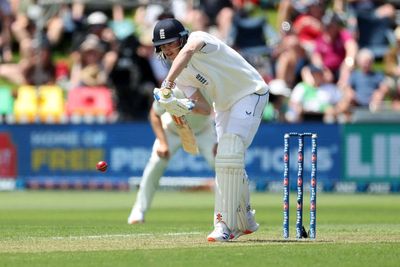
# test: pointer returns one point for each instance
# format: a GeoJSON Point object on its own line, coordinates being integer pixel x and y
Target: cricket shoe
{"type": "Point", "coordinates": [253, 226]}
{"type": "Point", "coordinates": [221, 233]}
{"type": "Point", "coordinates": [136, 217]}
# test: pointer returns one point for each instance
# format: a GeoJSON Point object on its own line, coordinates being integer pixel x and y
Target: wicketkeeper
{"type": "Point", "coordinates": [239, 95]}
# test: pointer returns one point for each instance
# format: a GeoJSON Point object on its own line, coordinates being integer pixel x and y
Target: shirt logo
{"type": "Point", "coordinates": [201, 79]}
{"type": "Point", "coordinates": [162, 34]}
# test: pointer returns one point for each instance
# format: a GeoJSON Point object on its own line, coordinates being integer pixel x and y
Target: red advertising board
{"type": "Point", "coordinates": [8, 157]}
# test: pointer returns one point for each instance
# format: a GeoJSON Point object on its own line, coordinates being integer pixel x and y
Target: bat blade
{"type": "Point", "coordinates": [189, 143]}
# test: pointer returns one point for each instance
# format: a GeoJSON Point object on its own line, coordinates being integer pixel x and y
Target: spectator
{"type": "Point", "coordinates": [41, 69]}
{"type": "Point", "coordinates": [392, 97]}
{"type": "Point", "coordinates": [32, 20]}
{"type": "Point", "coordinates": [288, 10]}
{"type": "Point", "coordinates": [391, 59]}
{"type": "Point", "coordinates": [391, 63]}
{"type": "Point", "coordinates": [289, 57]}
{"type": "Point", "coordinates": [62, 26]}
{"type": "Point", "coordinates": [97, 25]}
{"type": "Point", "coordinates": [24, 26]}
{"type": "Point", "coordinates": [120, 25]}
{"type": "Point", "coordinates": [90, 70]}
{"type": "Point", "coordinates": [308, 26]}
{"type": "Point", "coordinates": [133, 78]}
{"type": "Point", "coordinates": [210, 15]}
{"type": "Point", "coordinates": [148, 12]}
{"type": "Point", "coordinates": [255, 39]}
{"type": "Point", "coordinates": [249, 31]}
{"type": "Point", "coordinates": [35, 69]}
{"type": "Point", "coordinates": [12, 72]}
{"type": "Point", "coordinates": [313, 98]}
{"type": "Point", "coordinates": [375, 21]}
{"type": "Point", "coordinates": [5, 32]}
{"type": "Point", "coordinates": [367, 88]}
{"type": "Point", "coordinates": [300, 24]}
{"type": "Point", "coordinates": [380, 9]}
{"type": "Point", "coordinates": [335, 50]}
{"type": "Point", "coordinates": [55, 24]}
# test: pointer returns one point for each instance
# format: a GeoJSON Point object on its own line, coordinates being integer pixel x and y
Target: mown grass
{"type": "Point", "coordinates": [89, 229]}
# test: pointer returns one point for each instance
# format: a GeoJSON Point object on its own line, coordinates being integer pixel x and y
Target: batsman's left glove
{"type": "Point", "coordinates": [175, 106]}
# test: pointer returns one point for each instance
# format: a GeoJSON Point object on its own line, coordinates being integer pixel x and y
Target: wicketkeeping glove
{"type": "Point", "coordinates": [175, 106]}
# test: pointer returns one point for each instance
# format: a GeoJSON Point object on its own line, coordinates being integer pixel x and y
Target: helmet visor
{"type": "Point", "coordinates": [165, 41]}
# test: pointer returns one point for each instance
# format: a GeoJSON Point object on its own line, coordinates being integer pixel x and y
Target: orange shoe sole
{"type": "Point", "coordinates": [136, 222]}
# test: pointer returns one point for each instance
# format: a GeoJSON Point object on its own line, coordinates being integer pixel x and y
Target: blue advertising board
{"type": "Point", "coordinates": [69, 153]}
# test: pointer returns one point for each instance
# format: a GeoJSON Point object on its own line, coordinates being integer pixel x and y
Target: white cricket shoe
{"type": "Point", "coordinates": [221, 233]}
{"type": "Point", "coordinates": [136, 217]}
{"type": "Point", "coordinates": [253, 226]}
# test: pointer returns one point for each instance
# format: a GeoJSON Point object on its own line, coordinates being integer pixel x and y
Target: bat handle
{"type": "Point", "coordinates": [166, 93]}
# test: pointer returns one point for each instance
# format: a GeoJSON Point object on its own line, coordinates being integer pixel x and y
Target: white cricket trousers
{"type": "Point", "coordinates": [243, 119]}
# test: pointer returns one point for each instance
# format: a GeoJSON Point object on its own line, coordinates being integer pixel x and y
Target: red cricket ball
{"type": "Point", "coordinates": [101, 166]}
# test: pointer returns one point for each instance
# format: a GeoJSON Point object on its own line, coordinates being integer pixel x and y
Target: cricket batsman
{"type": "Point", "coordinates": [238, 94]}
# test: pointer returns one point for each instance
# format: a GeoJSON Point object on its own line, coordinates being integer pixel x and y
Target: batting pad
{"type": "Point", "coordinates": [244, 206]}
{"type": "Point", "coordinates": [229, 170]}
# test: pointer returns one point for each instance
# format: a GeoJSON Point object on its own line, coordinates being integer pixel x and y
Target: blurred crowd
{"type": "Point", "coordinates": [322, 59]}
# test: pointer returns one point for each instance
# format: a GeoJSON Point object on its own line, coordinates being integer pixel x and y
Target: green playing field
{"type": "Point", "coordinates": [89, 229]}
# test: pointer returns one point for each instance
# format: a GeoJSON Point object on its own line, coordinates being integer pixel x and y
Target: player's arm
{"type": "Point", "coordinates": [182, 59]}
{"type": "Point", "coordinates": [156, 125]}
{"type": "Point", "coordinates": [201, 105]}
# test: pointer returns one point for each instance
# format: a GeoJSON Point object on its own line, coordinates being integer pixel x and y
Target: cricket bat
{"type": "Point", "coordinates": [186, 134]}
{"type": "Point", "coordinates": [188, 139]}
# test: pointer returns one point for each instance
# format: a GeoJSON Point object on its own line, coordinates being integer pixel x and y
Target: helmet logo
{"type": "Point", "coordinates": [162, 34]}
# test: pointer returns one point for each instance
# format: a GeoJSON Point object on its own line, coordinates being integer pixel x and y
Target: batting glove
{"type": "Point", "coordinates": [174, 106]}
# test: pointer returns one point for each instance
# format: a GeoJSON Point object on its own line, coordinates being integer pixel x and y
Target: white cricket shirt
{"type": "Point", "coordinates": [221, 71]}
